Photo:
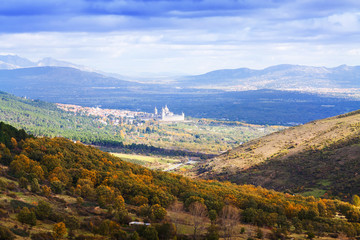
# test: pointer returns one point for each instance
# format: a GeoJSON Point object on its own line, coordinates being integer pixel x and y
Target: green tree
{"type": "Point", "coordinates": [150, 233]}
{"type": "Point", "coordinates": [23, 183]}
{"type": "Point", "coordinates": [212, 215]}
{"type": "Point", "coordinates": [43, 210]}
{"type": "Point", "coordinates": [134, 236]}
{"type": "Point", "coordinates": [356, 200]}
{"type": "Point", "coordinates": [35, 187]}
{"type": "Point", "coordinates": [166, 231]}
{"type": "Point", "coordinates": [26, 216]}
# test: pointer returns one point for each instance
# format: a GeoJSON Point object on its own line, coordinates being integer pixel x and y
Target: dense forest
{"type": "Point", "coordinates": [100, 194]}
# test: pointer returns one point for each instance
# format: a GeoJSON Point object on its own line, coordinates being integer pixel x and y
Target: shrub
{"type": "Point", "coordinates": [27, 216]}
{"type": "Point", "coordinates": [43, 210]}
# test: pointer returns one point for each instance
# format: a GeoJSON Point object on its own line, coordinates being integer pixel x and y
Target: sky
{"type": "Point", "coordinates": [147, 37]}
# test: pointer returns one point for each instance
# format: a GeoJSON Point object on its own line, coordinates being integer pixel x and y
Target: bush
{"type": "Point", "coordinates": [26, 216]}
{"type": "Point", "coordinates": [43, 210]}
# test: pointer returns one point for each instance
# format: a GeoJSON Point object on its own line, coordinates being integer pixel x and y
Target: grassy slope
{"type": "Point", "coordinates": [321, 156]}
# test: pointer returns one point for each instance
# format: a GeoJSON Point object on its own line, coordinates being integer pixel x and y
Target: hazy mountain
{"type": "Point", "coordinates": [277, 77]}
{"type": "Point", "coordinates": [59, 82]}
{"type": "Point", "coordinates": [316, 158]}
{"type": "Point", "coordinates": [14, 61]}
{"type": "Point", "coordinates": [51, 62]}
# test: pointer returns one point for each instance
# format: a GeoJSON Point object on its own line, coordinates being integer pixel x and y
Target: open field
{"type": "Point", "coordinates": [153, 162]}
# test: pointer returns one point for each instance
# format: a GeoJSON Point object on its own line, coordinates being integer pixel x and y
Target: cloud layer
{"type": "Point", "coordinates": [175, 34]}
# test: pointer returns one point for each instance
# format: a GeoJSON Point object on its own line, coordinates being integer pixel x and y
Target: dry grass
{"type": "Point", "coordinates": [291, 141]}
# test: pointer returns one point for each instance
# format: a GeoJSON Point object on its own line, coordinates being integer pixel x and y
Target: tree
{"type": "Point", "coordinates": [43, 210]}
{"type": "Point", "coordinates": [199, 212]}
{"type": "Point", "coordinates": [26, 216]}
{"type": "Point", "coordinates": [59, 230]}
{"type": "Point", "coordinates": [166, 231]}
{"type": "Point", "coordinates": [35, 187]}
{"type": "Point", "coordinates": [23, 183]}
{"type": "Point", "coordinates": [158, 213]}
{"type": "Point", "coordinates": [356, 200]}
{"type": "Point", "coordinates": [134, 236]}
{"type": "Point", "coordinates": [46, 191]}
{"type": "Point", "coordinates": [212, 215]}
{"type": "Point", "coordinates": [72, 223]}
{"type": "Point", "coordinates": [150, 233]}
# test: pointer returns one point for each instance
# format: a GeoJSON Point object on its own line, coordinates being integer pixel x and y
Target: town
{"type": "Point", "coordinates": [119, 117]}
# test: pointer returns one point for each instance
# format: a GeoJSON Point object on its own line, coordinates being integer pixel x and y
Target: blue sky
{"type": "Point", "coordinates": [182, 36]}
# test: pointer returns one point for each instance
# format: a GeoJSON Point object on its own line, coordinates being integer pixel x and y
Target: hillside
{"type": "Point", "coordinates": [320, 157]}
{"type": "Point", "coordinates": [277, 77]}
{"type": "Point", "coordinates": [57, 187]}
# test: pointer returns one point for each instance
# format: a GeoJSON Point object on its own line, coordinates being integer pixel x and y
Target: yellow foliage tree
{"type": "Point", "coordinates": [59, 230]}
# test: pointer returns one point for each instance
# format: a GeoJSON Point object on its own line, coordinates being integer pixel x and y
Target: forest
{"type": "Point", "coordinates": [53, 187]}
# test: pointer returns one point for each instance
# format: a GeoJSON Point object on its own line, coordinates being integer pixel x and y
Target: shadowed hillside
{"type": "Point", "coordinates": [320, 157]}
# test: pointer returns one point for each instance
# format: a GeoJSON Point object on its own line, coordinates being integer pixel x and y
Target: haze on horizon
{"type": "Point", "coordinates": [182, 37]}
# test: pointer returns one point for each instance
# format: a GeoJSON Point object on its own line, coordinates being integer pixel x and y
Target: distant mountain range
{"type": "Point", "coordinates": [277, 77]}
{"type": "Point", "coordinates": [10, 62]}
{"type": "Point", "coordinates": [280, 77]}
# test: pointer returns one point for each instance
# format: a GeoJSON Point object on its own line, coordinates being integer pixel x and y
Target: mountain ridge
{"type": "Point", "coordinates": [298, 159]}
{"type": "Point", "coordinates": [284, 76]}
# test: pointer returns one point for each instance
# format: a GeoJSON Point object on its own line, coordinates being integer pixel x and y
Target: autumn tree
{"type": "Point", "coordinates": [59, 230]}
{"type": "Point", "coordinates": [157, 212]}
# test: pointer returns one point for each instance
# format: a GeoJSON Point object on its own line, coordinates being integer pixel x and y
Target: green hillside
{"type": "Point", "coordinates": [319, 158]}
{"type": "Point", "coordinates": [61, 188]}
